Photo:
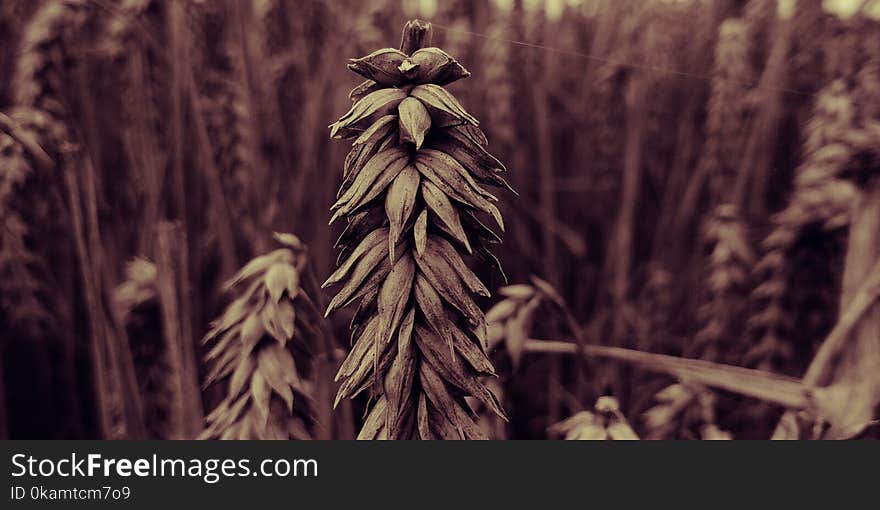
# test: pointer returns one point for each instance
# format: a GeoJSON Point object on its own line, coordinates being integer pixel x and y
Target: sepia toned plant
{"type": "Point", "coordinates": [686, 411]}
{"type": "Point", "coordinates": [25, 292]}
{"type": "Point", "coordinates": [727, 108]}
{"type": "Point", "coordinates": [252, 347]}
{"type": "Point", "coordinates": [137, 304]}
{"type": "Point", "coordinates": [820, 199]}
{"type": "Point", "coordinates": [45, 47]}
{"type": "Point", "coordinates": [605, 422]}
{"type": "Point", "coordinates": [728, 275]}
{"type": "Point", "coordinates": [412, 194]}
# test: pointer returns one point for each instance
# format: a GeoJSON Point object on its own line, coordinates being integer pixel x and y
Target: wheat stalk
{"type": "Point", "coordinates": [500, 84]}
{"type": "Point", "coordinates": [252, 344]}
{"type": "Point", "coordinates": [413, 185]}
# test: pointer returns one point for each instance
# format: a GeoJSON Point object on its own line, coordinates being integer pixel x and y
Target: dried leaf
{"type": "Point", "coordinates": [440, 205]}
{"type": "Point", "coordinates": [371, 249]}
{"type": "Point", "coordinates": [454, 262]}
{"type": "Point", "coordinates": [454, 185]}
{"type": "Point", "coordinates": [375, 422]}
{"type": "Point", "coordinates": [366, 111]}
{"type": "Point", "coordinates": [444, 107]}
{"type": "Point", "coordinates": [364, 89]}
{"type": "Point", "coordinates": [400, 202]}
{"type": "Point", "coordinates": [433, 65]}
{"type": "Point", "coordinates": [378, 172]}
{"type": "Point", "coordinates": [420, 231]}
{"type": "Point", "coordinates": [415, 121]}
{"type": "Point", "coordinates": [381, 66]}
{"type": "Point", "coordinates": [240, 376]}
{"type": "Point", "coordinates": [437, 393]}
{"type": "Point", "coordinates": [260, 398]}
{"type": "Point", "coordinates": [448, 284]}
{"type": "Point", "coordinates": [364, 148]}
{"type": "Point", "coordinates": [394, 295]}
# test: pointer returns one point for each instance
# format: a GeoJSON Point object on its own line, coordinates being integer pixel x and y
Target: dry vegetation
{"type": "Point", "coordinates": [699, 197]}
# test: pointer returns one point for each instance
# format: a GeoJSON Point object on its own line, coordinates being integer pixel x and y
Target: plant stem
{"type": "Point", "coordinates": [763, 385]}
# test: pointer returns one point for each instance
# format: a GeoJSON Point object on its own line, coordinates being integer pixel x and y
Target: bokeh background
{"type": "Point", "coordinates": [664, 153]}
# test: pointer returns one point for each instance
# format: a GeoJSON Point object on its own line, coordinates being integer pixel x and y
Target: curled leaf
{"type": "Point", "coordinates": [433, 65]}
{"type": "Point", "coordinates": [381, 66]}
{"type": "Point", "coordinates": [366, 111]}
{"type": "Point", "coordinates": [444, 107]}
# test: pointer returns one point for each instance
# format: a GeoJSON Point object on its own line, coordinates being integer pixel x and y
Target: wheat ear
{"type": "Point", "coordinates": [252, 346]}
{"type": "Point", "coordinates": [820, 198]}
{"type": "Point", "coordinates": [412, 191]}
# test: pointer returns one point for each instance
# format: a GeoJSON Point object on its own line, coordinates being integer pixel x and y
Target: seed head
{"type": "Point", "coordinates": [412, 195]}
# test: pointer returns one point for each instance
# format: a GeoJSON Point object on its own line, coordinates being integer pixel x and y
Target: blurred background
{"type": "Point", "coordinates": [668, 156]}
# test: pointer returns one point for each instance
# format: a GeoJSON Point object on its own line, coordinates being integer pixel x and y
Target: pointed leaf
{"type": "Point", "coordinates": [453, 259]}
{"type": "Point", "coordinates": [374, 139]}
{"type": "Point", "coordinates": [432, 308]}
{"type": "Point", "coordinates": [447, 283]}
{"type": "Point", "coordinates": [394, 295]}
{"type": "Point", "coordinates": [366, 111]}
{"type": "Point", "coordinates": [437, 393]}
{"type": "Point", "coordinates": [370, 248]}
{"type": "Point", "coordinates": [422, 419]}
{"type": "Point", "coordinates": [364, 279]}
{"type": "Point", "coordinates": [400, 202]}
{"type": "Point", "coordinates": [398, 387]}
{"type": "Point", "coordinates": [440, 205]}
{"type": "Point", "coordinates": [445, 109]}
{"type": "Point", "coordinates": [433, 65]}
{"type": "Point", "coordinates": [415, 121]}
{"type": "Point", "coordinates": [375, 422]}
{"type": "Point", "coordinates": [381, 66]}
{"type": "Point", "coordinates": [455, 186]}
{"type": "Point", "coordinates": [420, 231]}
{"type": "Point", "coordinates": [446, 164]}
{"type": "Point", "coordinates": [371, 171]}
{"type": "Point", "coordinates": [371, 186]}
{"type": "Point", "coordinates": [260, 397]}
{"type": "Point", "coordinates": [363, 89]}
{"type": "Point", "coordinates": [277, 279]}
{"type": "Point", "coordinates": [240, 376]}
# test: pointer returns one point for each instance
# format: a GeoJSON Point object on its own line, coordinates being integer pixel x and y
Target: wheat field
{"type": "Point", "coordinates": [582, 219]}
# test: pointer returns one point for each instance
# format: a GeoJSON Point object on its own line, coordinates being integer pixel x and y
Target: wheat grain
{"type": "Point", "coordinates": [419, 335]}
{"type": "Point", "coordinates": [252, 345]}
